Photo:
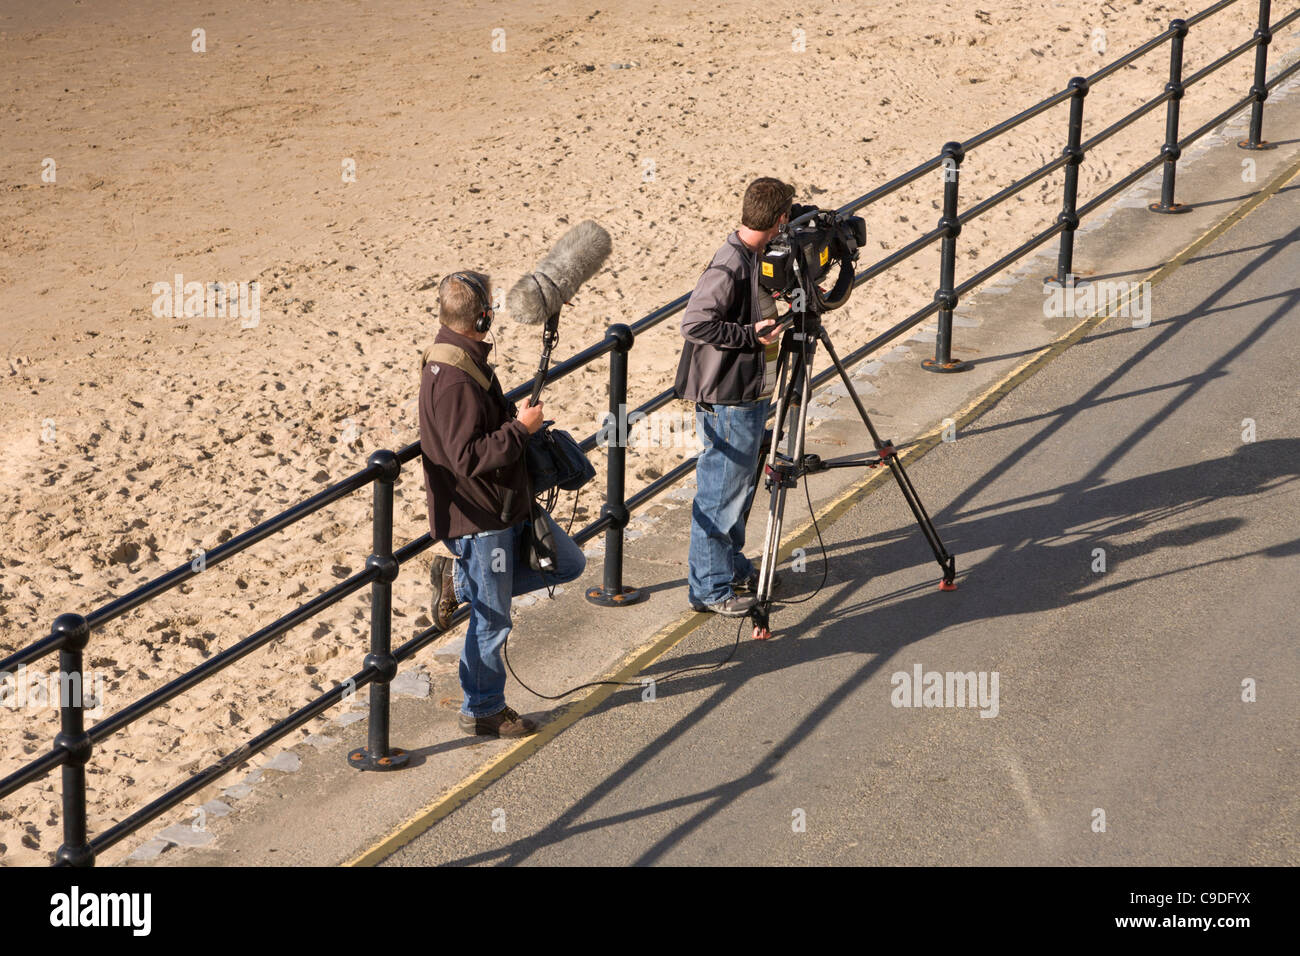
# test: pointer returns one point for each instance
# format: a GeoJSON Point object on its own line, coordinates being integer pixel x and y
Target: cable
{"type": "Point", "coordinates": [576, 495]}
{"type": "Point", "coordinates": [826, 565]}
{"type": "Point", "coordinates": [505, 653]}
{"type": "Point", "coordinates": [740, 628]}
{"type": "Point", "coordinates": [552, 498]}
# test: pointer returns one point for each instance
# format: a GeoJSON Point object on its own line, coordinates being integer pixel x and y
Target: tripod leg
{"type": "Point", "coordinates": [776, 498]}
{"type": "Point", "coordinates": [800, 379]}
{"type": "Point", "coordinates": [946, 560]}
{"type": "Point", "coordinates": [770, 438]}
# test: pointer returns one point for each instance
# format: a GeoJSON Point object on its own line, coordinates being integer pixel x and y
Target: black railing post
{"type": "Point", "coordinates": [943, 361]}
{"type": "Point", "coordinates": [72, 737]}
{"type": "Point", "coordinates": [1069, 216]}
{"type": "Point", "coordinates": [1170, 150]}
{"type": "Point", "coordinates": [613, 593]}
{"type": "Point", "coordinates": [1260, 87]}
{"type": "Point", "coordinates": [377, 755]}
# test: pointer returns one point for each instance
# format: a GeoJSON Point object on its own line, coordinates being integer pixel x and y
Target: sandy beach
{"type": "Point", "coordinates": [344, 155]}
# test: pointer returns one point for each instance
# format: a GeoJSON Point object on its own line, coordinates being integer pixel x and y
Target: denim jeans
{"type": "Point", "coordinates": [488, 574]}
{"type": "Point", "coordinates": [732, 437]}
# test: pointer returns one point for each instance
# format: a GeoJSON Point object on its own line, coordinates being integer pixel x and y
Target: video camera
{"type": "Point", "coordinates": [805, 250]}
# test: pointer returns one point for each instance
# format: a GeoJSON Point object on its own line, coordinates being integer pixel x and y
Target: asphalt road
{"type": "Point", "coordinates": [1119, 691]}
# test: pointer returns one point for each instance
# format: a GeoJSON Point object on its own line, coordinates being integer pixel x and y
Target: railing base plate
{"type": "Point", "coordinates": [1075, 281]}
{"type": "Point", "coordinates": [362, 759]}
{"type": "Point", "coordinates": [615, 599]}
{"type": "Point", "coordinates": [955, 365]}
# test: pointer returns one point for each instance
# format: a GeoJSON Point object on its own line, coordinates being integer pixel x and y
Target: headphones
{"type": "Point", "coordinates": [484, 320]}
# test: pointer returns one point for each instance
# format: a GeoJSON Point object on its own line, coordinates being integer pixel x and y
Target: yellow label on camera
{"type": "Point", "coordinates": [767, 269]}
{"type": "Point", "coordinates": [826, 254]}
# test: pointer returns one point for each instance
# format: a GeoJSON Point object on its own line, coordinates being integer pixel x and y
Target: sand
{"type": "Point", "coordinates": [132, 439]}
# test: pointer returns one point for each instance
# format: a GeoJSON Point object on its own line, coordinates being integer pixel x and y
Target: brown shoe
{"type": "Point", "coordinates": [443, 604]}
{"type": "Point", "coordinates": [504, 723]}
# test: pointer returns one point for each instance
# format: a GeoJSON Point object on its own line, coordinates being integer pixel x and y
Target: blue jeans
{"type": "Point", "coordinates": [732, 436]}
{"type": "Point", "coordinates": [488, 574]}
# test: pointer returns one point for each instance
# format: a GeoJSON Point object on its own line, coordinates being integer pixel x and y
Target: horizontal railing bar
{"type": "Point", "coordinates": [1110, 192]}
{"type": "Point", "coordinates": [593, 529]}
{"type": "Point", "coordinates": [979, 139]}
{"type": "Point", "coordinates": [1273, 83]}
{"type": "Point", "coordinates": [982, 207]}
{"type": "Point", "coordinates": [566, 367]}
{"type": "Point", "coordinates": [1286, 21]}
{"type": "Point", "coordinates": [894, 258]}
{"type": "Point", "coordinates": [1221, 62]}
{"type": "Point", "coordinates": [659, 314]}
{"type": "Point", "coordinates": [97, 618]}
{"type": "Point", "coordinates": [409, 453]}
{"type": "Point", "coordinates": [32, 652]}
{"type": "Point", "coordinates": [427, 636]}
{"type": "Point", "coordinates": [166, 582]}
{"type": "Point", "coordinates": [659, 401]}
{"type": "Point", "coordinates": [1097, 139]}
{"type": "Point", "coordinates": [418, 546]}
{"type": "Point", "coordinates": [1209, 12]}
{"type": "Point", "coordinates": [232, 760]}
{"type": "Point", "coordinates": [898, 182]}
{"type": "Point", "coordinates": [284, 519]}
{"type": "Point", "coordinates": [33, 771]}
{"type": "Point", "coordinates": [1018, 253]}
{"type": "Point", "coordinates": [1222, 117]}
{"type": "Point", "coordinates": [678, 471]}
{"type": "Point", "coordinates": [656, 403]}
{"type": "Point", "coordinates": [1128, 58]}
{"type": "Point", "coordinates": [133, 712]}
{"type": "Point", "coordinates": [884, 338]}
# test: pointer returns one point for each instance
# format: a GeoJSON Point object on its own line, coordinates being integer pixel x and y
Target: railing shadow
{"type": "Point", "coordinates": [1026, 573]}
{"type": "Point", "coordinates": [70, 633]}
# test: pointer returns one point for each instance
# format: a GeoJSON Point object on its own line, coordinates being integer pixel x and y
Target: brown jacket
{"type": "Point", "coordinates": [472, 446]}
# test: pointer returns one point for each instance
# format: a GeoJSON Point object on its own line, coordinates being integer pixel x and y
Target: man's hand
{"type": "Point", "coordinates": [772, 336]}
{"type": "Point", "coordinates": [531, 416]}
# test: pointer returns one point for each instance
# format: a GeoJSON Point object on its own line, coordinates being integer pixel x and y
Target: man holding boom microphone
{"type": "Point", "coordinates": [727, 369]}
{"type": "Point", "coordinates": [476, 482]}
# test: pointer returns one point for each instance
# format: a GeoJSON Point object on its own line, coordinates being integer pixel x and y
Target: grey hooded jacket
{"type": "Point", "coordinates": [722, 360]}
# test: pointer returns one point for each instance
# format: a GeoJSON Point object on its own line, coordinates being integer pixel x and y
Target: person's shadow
{"type": "Point", "coordinates": [1041, 559]}
{"type": "Point", "coordinates": [1037, 556]}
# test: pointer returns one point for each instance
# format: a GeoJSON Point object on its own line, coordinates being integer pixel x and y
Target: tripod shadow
{"type": "Point", "coordinates": [1037, 565]}
{"type": "Point", "coordinates": [1032, 543]}
{"type": "Point", "coordinates": [1037, 549]}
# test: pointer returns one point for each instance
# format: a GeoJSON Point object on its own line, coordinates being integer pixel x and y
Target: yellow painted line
{"type": "Point", "coordinates": [673, 634]}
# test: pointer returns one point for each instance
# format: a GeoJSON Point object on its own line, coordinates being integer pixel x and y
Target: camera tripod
{"type": "Point", "coordinates": [783, 471]}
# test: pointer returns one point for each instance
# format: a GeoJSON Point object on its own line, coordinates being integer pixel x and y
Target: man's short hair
{"type": "Point", "coordinates": [458, 304]}
{"type": "Point", "coordinates": [766, 201]}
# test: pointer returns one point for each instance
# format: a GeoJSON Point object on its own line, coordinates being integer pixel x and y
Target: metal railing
{"type": "Point", "coordinates": [70, 634]}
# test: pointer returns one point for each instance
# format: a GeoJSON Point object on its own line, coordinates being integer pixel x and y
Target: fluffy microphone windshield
{"type": "Point", "coordinates": [574, 259]}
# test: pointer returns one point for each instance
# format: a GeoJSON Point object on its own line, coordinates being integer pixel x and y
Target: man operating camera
{"type": "Point", "coordinates": [726, 369]}
{"type": "Point", "coordinates": [476, 482]}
